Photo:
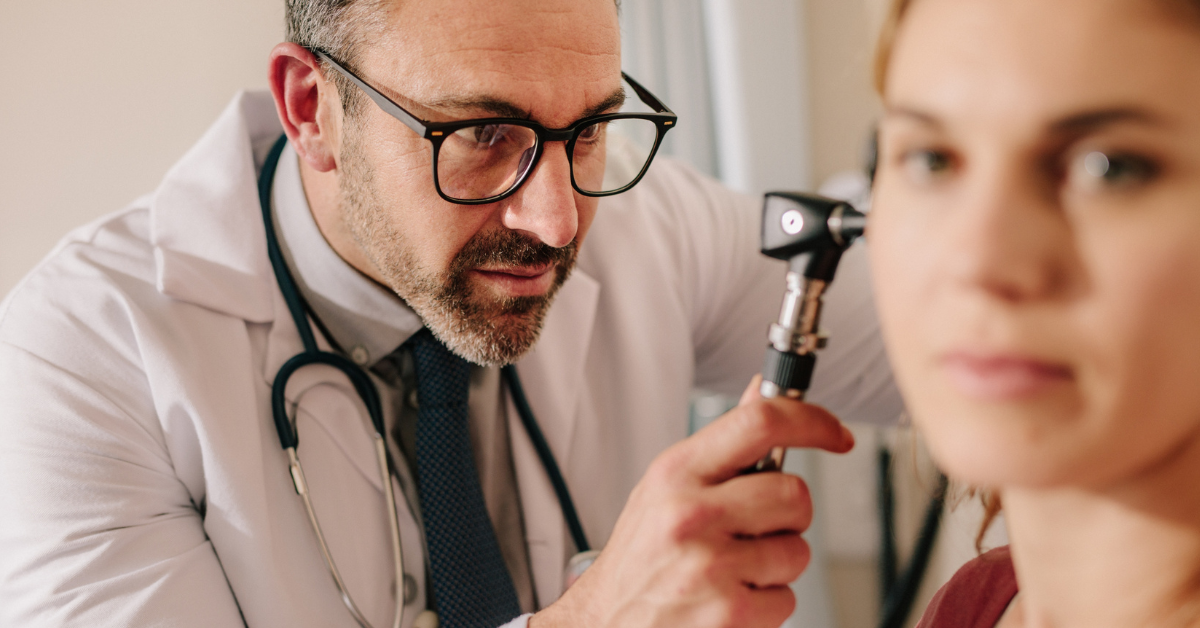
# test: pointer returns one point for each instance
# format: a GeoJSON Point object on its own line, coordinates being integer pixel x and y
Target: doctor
{"type": "Point", "coordinates": [142, 478]}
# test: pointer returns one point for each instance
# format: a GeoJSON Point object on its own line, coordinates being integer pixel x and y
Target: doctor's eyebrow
{"type": "Point", "coordinates": [506, 109]}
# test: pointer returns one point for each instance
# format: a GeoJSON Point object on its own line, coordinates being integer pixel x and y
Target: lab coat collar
{"type": "Point", "coordinates": [205, 222]}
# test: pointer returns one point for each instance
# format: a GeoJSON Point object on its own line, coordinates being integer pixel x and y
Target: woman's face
{"type": "Point", "coordinates": [1035, 236]}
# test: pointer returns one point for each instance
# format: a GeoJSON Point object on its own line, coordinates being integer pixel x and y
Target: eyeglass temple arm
{"type": "Point", "coordinates": [414, 123]}
{"type": "Point", "coordinates": [385, 103]}
{"type": "Point", "coordinates": [648, 98]}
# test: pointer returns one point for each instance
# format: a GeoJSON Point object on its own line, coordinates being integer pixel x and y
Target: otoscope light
{"type": "Point", "coordinates": [796, 223]}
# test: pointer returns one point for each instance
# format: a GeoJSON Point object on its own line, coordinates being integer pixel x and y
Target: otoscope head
{"type": "Point", "coordinates": [795, 223]}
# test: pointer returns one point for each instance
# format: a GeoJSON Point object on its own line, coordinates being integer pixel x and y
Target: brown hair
{"type": "Point", "coordinates": [887, 40]}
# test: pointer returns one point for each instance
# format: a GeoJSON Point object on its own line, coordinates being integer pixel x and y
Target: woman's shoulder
{"type": "Point", "coordinates": [977, 595]}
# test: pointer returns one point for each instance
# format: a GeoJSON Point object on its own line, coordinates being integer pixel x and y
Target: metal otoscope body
{"type": "Point", "coordinates": [811, 233]}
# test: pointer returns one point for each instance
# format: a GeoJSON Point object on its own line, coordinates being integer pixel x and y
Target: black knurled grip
{"type": "Point", "coordinates": [788, 370]}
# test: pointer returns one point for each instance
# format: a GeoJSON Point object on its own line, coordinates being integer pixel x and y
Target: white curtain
{"type": "Point", "coordinates": [664, 47]}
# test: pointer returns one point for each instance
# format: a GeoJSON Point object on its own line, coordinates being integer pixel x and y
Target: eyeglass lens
{"type": "Point", "coordinates": [483, 161]}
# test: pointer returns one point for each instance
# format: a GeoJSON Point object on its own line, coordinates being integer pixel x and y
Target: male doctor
{"type": "Point", "coordinates": [142, 482]}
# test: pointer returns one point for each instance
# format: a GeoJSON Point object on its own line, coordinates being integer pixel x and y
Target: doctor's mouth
{"type": "Point", "coordinates": [519, 281]}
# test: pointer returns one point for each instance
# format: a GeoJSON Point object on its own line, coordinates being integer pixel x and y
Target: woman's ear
{"type": "Point", "coordinates": [305, 103]}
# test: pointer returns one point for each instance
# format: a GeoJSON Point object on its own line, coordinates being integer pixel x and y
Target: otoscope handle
{"type": "Point", "coordinates": [810, 232]}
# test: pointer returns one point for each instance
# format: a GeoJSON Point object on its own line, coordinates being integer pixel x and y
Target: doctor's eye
{"type": "Point", "coordinates": [592, 132]}
{"type": "Point", "coordinates": [485, 134]}
{"type": "Point", "coordinates": [1099, 171]}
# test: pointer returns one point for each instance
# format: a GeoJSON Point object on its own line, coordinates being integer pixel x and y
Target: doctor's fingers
{"type": "Point", "coordinates": [747, 433]}
{"type": "Point", "coordinates": [750, 608]}
{"type": "Point", "coordinates": [762, 503]}
{"type": "Point", "coordinates": [768, 561]}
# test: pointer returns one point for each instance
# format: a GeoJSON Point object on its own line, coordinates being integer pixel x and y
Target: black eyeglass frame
{"type": "Point", "coordinates": [437, 132]}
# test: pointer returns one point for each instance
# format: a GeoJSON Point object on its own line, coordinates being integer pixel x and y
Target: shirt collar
{"type": "Point", "coordinates": [368, 320]}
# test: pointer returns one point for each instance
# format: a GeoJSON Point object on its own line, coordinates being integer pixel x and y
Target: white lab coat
{"type": "Point", "coordinates": [141, 479]}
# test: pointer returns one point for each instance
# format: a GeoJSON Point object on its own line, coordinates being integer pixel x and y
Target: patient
{"type": "Point", "coordinates": [1036, 250]}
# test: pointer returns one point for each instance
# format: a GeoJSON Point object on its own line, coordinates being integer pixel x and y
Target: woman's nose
{"type": "Point", "coordinates": [1008, 237]}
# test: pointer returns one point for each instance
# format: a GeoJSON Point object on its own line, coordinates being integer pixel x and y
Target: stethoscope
{"type": "Point", "coordinates": [370, 397]}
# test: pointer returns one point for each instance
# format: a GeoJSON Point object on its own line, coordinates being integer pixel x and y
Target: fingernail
{"type": "Point", "coordinates": [847, 437]}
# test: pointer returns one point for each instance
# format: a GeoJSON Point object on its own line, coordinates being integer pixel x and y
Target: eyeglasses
{"type": "Point", "coordinates": [486, 160]}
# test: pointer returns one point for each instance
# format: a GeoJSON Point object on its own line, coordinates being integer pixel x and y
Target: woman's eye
{"type": "Point", "coordinates": [1097, 170]}
{"type": "Point", "coordinates": [926, 164]}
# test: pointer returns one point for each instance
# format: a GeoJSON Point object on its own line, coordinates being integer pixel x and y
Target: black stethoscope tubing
{"type": "Point", "coordinates": [358, 377]}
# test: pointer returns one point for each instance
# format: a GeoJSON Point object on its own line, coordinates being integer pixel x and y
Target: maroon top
{"type": "Point", "coordinates": [977, 596]}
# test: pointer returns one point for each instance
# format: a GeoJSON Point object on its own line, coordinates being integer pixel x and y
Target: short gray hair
{"type": "Point", "coordinates": [338, 28]}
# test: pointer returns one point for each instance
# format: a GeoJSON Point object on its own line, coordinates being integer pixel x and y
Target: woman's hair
{"type": "Point", "coordinates": [887, 40]}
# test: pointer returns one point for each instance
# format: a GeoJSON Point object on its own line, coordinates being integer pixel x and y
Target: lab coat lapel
{"type": "Point", "coordinates": [210, 248]}
{"type": "Point", "coordinates": [552, 375]}
{"type": "Point", "coordinates": [205, 222]}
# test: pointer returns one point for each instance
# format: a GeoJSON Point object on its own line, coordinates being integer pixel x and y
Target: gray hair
{"type": "Point", "coordinates": [338, 28]}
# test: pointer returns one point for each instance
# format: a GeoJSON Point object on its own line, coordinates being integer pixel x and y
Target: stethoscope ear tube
{"type": "Point", "coordinates": [361, 382]}
{"type": "Point", "coordinates": [287, 285]}
{"type": "Point", "coordinates": [570, 514]}
{"type": "Point", "coordinates": [288, 437]}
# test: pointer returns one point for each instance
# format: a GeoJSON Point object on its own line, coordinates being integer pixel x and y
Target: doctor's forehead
{"type": "Point", "coordinates": [533, 48]}
{"type": "Point", "coordinates": [1038, 61]}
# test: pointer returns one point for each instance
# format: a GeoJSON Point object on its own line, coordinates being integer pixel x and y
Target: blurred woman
{"type": "Point", "coordinates": [1035, 241]}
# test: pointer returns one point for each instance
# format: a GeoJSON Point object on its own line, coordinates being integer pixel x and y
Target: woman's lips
{"type": "Point", "coordinates": [520, 281]}
{"type": "Point", "coordinates": [1003, 377]}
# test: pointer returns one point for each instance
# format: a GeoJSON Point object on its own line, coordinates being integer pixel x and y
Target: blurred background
{"type": "Point", "coordinates": [100, 99]}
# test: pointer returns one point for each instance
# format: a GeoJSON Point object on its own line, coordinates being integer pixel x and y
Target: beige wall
{"type": "Point", "coordinates": [841, 43]}
{"type": "Point", "coordinates": [98, 99]}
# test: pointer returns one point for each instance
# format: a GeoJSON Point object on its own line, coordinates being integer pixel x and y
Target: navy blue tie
{"type": "Point", "coordinates": [471, 584]}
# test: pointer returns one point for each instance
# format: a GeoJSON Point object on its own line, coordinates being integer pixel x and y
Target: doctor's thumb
{"type": "Point", "coordinates": [751, 393]}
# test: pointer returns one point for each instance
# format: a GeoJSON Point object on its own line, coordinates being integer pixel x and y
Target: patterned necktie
{"type": "Point", "coordinates": [471, 584]}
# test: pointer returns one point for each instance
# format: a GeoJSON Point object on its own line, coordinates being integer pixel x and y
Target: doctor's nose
{"type": "Point", "coordinates": [545, 207]}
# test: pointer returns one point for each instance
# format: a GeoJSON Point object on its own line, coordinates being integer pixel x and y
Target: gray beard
{"type": "Point", "coordinates": [474, 324]}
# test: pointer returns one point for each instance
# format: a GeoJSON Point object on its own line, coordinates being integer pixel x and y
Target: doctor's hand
{"type": "Point", "coordinates": [700, 544]}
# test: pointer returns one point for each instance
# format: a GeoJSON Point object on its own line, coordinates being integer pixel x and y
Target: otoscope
{"type": "Point", "coordinates": [811, 233]}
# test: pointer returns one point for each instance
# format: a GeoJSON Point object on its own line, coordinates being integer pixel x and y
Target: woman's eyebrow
{"type": "Point", "coordinates": [1094, 120]}
{"type": "Point", "coordinates": [912, 114]}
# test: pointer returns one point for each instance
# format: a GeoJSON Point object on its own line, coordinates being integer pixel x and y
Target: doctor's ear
{"type": "Point", "coordinates": [308, 105]}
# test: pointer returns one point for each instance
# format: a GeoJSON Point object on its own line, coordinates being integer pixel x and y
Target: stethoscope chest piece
{"type": "Point", "coordinates": [427, 619]}
{"type": "Point", "coordinates": [578, 564]}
